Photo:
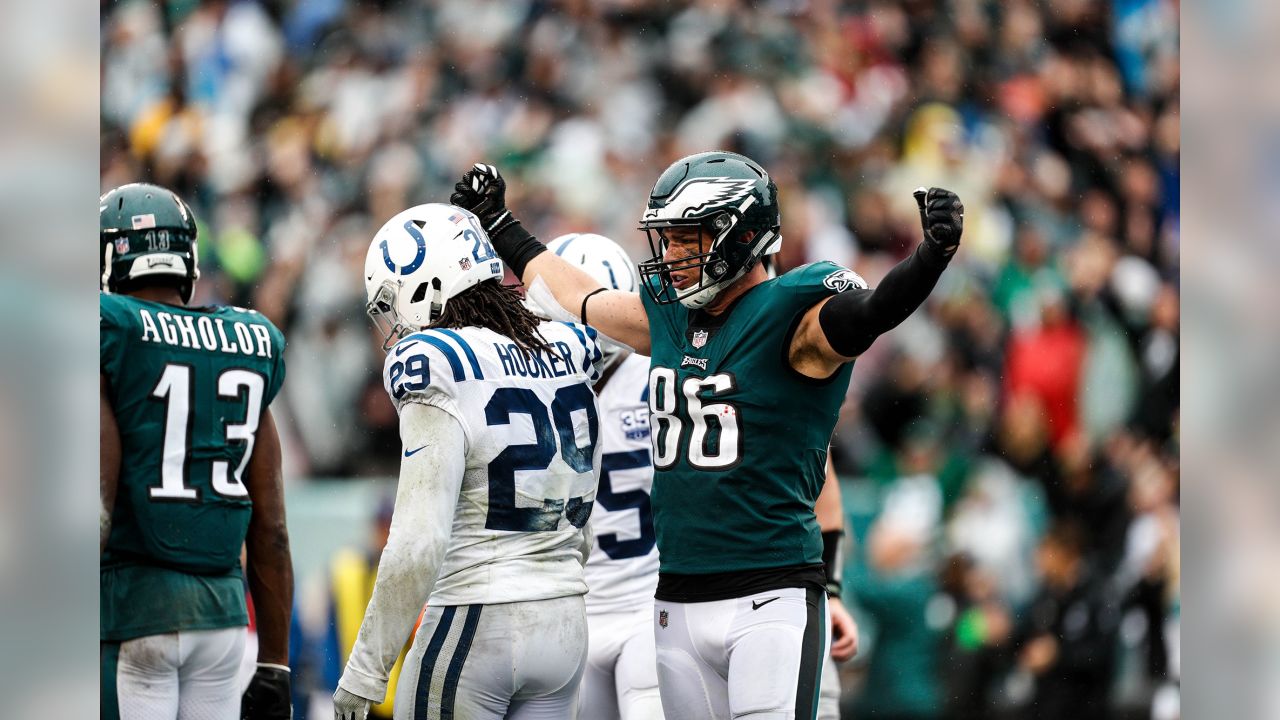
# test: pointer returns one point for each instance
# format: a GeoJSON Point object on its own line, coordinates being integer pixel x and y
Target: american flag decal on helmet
{"type": "Point", "coordinates": [142, 222]}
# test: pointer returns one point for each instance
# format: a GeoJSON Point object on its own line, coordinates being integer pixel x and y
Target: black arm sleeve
{"type": "Point", "coordinates": [516, 247]}
{"type": "Point", "coordinates": [853, 319]}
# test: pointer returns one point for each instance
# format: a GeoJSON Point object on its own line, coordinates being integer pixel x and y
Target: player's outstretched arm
{"type": "Point", "coordinates": [270, 567]}
{"type": "Point", "coordinates": [830, 512]}
{"type": "Point", "coordinates": [843, 326]}
{"type": "Point", "coordinates": [616, 314]}
{"type": "Point", "coordinates": [427, 495]}
{"type": "Point", "coordinates": [108, 462]}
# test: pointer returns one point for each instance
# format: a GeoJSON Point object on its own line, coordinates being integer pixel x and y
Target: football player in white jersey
{"type": "Point", "coordinates": [497, 481]}
{"type": "Point", "coordinates": [621, 680]}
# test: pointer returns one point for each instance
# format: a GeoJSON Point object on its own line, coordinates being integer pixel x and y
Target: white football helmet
{"type": "Point", "coordinates": [600, 257]}
{"type": "Point", "coordinates": [608, 264]}
{"type": "Point", "coordinates": [420, 259]}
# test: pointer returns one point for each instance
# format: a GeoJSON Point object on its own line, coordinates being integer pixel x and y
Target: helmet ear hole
{"type": "Point", "coordinates": [421, 293]}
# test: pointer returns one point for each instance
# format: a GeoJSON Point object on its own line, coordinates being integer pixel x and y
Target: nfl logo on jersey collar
{"type": "Point", "coordinates": [699, 338]}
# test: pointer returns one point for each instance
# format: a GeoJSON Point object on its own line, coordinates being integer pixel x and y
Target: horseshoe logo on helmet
{"type": "Point", "coordinates": [416, 234]}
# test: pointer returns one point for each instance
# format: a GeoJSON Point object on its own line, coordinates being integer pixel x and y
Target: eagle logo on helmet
{"type": "Point", "coordinates": [697, 195]}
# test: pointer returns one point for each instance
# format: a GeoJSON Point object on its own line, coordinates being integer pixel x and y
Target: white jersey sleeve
{"type": "Point", "coordinates": [426, 496]}
{"type": "Point", "coordinates": [622, 571]}
{"type": "Point", "coordinates": [532, 449]}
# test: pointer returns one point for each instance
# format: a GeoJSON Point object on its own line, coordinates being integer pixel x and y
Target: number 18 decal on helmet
{"type": "Point", "coordinates": [146, 234]}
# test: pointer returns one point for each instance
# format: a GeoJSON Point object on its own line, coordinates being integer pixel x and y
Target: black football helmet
{"type": "Point", "coordinates": [146, 233]}
{"type": "Point", "coordinates": [724, 196]}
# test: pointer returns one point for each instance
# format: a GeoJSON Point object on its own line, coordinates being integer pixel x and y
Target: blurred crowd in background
{"type": "Point", "coordinates": [1009, 455]}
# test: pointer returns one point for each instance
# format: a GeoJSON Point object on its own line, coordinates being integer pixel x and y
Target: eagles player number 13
{"type": "Point", "coordinates": [714, 441]}
{"type": "Point", "coordinates": [175, 389]}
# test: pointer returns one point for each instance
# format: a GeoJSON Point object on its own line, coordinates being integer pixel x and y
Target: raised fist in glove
{"type": "Point", "coordinates": [267, 697]}
{"type": "Point", "coordinates": [942, 217]}
{"type": "Point", "coordinates": [483, 191]}
{"type": "Point", "coordinates": [349, 706]}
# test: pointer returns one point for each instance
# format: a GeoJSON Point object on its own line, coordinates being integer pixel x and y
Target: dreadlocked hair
{"type": "Point", "coordinates": [495, 306]}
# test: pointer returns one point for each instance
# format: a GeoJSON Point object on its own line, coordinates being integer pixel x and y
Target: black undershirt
{"type": "Point", "coordinates": [726, 585]}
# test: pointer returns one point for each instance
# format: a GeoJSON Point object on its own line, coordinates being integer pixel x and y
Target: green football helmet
{"type": "Point", "coordinates": [724, 196]}
{"type": "Point", "coordinates": [147, 233]}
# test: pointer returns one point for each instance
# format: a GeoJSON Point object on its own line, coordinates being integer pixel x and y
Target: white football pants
{"type": "Point", "coordinates": [521, 661]}
{"type": "Point", "coordinates": [621, 680]}
{"type": "Point", "coordinates": [829, 695]}
{"type": "Point", "coordinates": [757, 657]}
{"type": "Point", "coordinates": [190, 675]}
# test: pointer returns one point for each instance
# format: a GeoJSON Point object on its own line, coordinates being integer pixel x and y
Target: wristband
{"type": "Point", "coordinates": [583, 314]}
{"type": "Point", "coordinates": [832, 560]}
{"type": "Point", "coordinates": [934, 254]}
{"type": "Point", "coordinates": [516, 247]}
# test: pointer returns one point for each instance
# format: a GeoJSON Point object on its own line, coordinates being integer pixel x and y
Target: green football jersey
{"type": "Point", "coordinates": [188, 387]}
{"type": "Point", "coordinates": [739, 437]}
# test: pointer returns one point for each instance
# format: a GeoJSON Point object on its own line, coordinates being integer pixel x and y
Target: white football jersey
{"type": "Point", "coordinates": [532, 449]}
{"type": "Point", "coordinates": [622, 571]}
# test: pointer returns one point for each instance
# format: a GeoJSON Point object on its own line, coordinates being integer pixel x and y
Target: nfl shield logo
{"type": "Point", "coordinates": [465, 263]}
{"type": "Point", "coordinates": [662, 618]}
{"type": "Point", "coordinates": [699, 338]}
{"type": "Point", "coordinates": [122, 246]}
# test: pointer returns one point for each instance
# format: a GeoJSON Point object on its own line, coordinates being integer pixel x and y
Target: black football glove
{"type": "Point", "coordinates": [483, 191]}
{"type": "Point", "coordinates": [267, 697]}
{"type": "Point", "coordinates": [942, 217]}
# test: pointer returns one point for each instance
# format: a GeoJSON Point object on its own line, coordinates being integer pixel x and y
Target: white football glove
{"type": "Point", "coordinates": [347, 706]}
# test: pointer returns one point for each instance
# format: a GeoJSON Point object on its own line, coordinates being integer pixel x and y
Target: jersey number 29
{"type": "Point", "coordinates": [508, 401]}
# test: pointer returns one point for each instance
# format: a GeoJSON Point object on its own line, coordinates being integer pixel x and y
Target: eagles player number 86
{"type": "Point", "coordinates": [714, 442]}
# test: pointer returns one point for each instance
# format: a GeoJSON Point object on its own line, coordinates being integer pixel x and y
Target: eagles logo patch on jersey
{"type": "Point", "coordinates": [844, 279]}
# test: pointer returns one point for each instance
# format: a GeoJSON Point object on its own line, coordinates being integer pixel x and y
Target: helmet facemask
{"type": "Point", "coordinates": [386, 319]}
{"type": "Point", "coordinates": [722, 247]}
{"type": "Point", "coordinates": [383, 310]}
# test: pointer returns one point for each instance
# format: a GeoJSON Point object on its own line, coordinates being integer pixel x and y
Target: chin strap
{"type": "Point", "coordinates": [108, 253]}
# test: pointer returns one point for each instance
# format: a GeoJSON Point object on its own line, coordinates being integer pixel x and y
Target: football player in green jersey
{"type": "Point", "coordinates": [190, 473]}
{"type": "Point", "coordinates": [746, 379]}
